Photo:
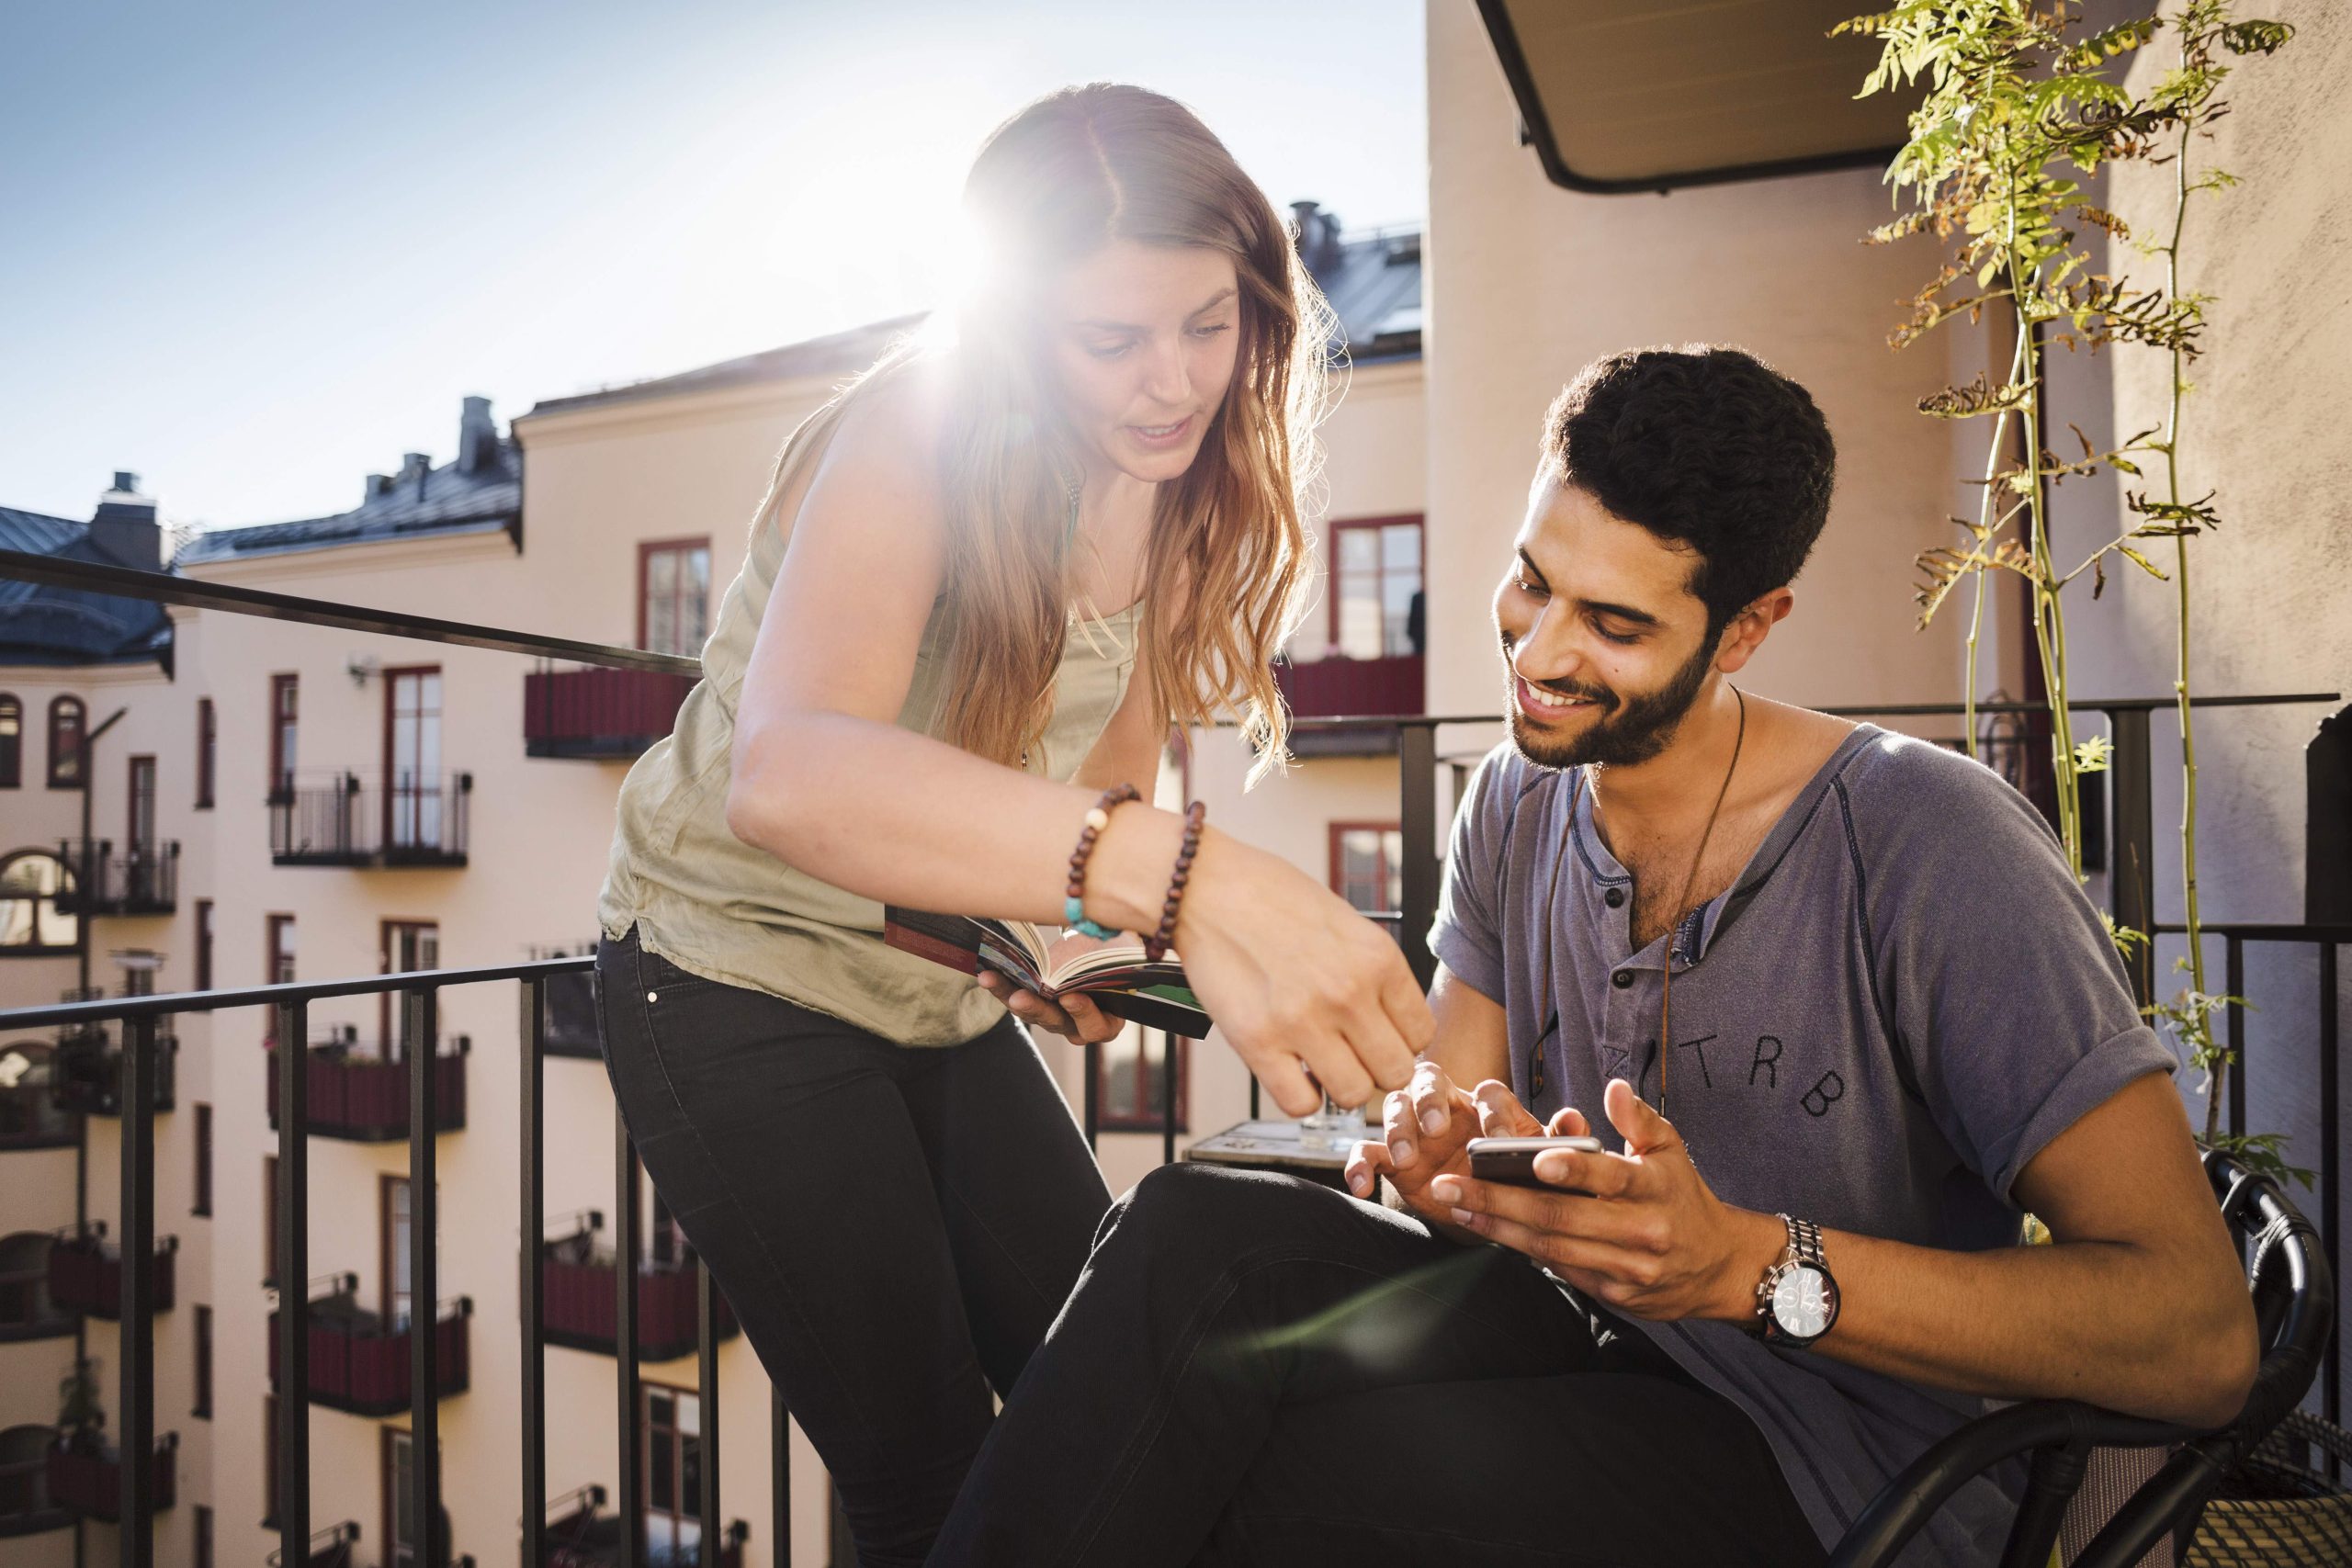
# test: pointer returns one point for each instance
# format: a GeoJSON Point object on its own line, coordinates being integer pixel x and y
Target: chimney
{"type": "Point", "coordinates": [477, 437]}
{"type": "Point", "coordinates": [1318, 235]}
{"type": "Point", "coordinates": [378, 485]}
{"type": "Point", "coordinates": [413, 466]}
{"type": "Point", "coordinates": [124, 524]}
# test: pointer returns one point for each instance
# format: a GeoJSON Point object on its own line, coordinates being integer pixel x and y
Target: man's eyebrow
{"type": "Point", "coordinates": [1099, 325]}
{"type": "Point", "coordinates": [1594, 607]}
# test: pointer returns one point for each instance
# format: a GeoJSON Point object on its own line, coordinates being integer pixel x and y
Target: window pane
{"type": "Point", "coordinates": [1401, 547]}
{"type": "Point", "coordinates": [662, 1493]}
{"type": "Point", "coordinates": [661, 573]}
{"type": "Point", "coordinates": [1359, 550]}
{"type": "Point", "coordinates": [660, 624]}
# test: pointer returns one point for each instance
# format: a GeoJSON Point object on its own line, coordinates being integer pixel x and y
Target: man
{"type": "Point", "coordinates": [1799, 968]}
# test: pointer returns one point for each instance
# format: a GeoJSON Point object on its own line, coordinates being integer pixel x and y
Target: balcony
{"type": "Point", "coordinates": [86, 1480]}
{"type": "Point", "coordinates": [29, 1117]}
{"type": "Point", "coordinates": [579, 1534]}
{"type": "Point", "coordinates": [599, 714]}
{"type": "Point", "coordinates": [360, 1364]}
{"type": "Point", "coordinates": [85, 1273]}
{"type": "Point", "coordinates": [1340, 687]}
{"type": "Point", "coordinates": [85, 1071]}
{"type": "Point", "coordinates": [144, 880]}
{"type": "Point", "coordinates": [578, 1309]}
{"type": "Point", "coordinates": [568, 1025]}
{"type": "Point", "coordinates": [360, 1093]}
{"type": "Point", "coordinates": [416, 819]}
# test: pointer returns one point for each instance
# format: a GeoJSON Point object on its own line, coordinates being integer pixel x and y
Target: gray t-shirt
{"type": "Point", "coordinates": [1903, 998]}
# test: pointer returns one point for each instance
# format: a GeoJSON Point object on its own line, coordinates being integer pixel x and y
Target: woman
{"type": "Point", "coordinates": [915, 694]}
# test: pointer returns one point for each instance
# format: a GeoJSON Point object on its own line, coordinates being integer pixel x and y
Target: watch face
{"type": "Point", "coordinates": [1800, 1303]}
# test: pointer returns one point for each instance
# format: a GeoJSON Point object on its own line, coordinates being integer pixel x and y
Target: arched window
{"type": "Point", "coordinates": [12, 741]}
{"type": "Point", "coordinates": [29, 921]}
{"type": "Point", "coordinates": [65, 717]}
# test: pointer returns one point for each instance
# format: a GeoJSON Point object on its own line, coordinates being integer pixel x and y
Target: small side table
{"type": "Point", "coordinates": [1272, 1145]}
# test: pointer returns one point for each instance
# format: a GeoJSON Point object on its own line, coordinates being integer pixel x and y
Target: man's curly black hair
{"type": "Point", "coordinates": [1706, 446]}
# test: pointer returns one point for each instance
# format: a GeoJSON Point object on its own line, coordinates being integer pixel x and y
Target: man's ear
{"type": "Point", "coordinates": [1746, 632]}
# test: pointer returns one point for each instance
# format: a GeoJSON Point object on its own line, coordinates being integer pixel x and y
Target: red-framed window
{"type": "Point", "coordinates": [278, 955]}
{"type": "Point", "coordinates": [673, 596]}
{"type": "Point", "coordinates": [204, 945]}
{"type": "Point", "coordinates": [208, 751]}
{"type": "Point", "coordinates": [1368, 865]}
{"type": "Point", "coordinates": [139, 822]}
{"type": "Point", "coordinates": [671, 1420]}
{"type": "Point", "coordinates": [403, 946]}
{"type": "Point", "coordinates": [285, 713]}
{"type": "Point", "coordinates": [1376, 581]}
{"type": "Point", "coordinates": [67, 720]}
{"type": "Point", "coordinates": [203, 1408]}
{"type": "Point", "coordinates": [269, 1278]}
{"type": "Point", "coordinates": [412, 799]}
{"type": "Point", "coordinates": [202, 1175]}
{"type": "Point", "coordinates": [1131, 1077]}
{"type": "Point", "coordinates": [12, 741]}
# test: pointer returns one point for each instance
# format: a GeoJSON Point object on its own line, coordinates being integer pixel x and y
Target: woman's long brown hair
{"type": "Point", "coordinates": [1225, 567]}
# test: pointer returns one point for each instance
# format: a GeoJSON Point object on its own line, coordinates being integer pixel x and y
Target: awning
{"type": "Point", "coordinates": [1648, 95]}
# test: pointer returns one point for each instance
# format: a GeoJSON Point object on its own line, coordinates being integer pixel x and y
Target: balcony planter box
{"type": "Point", "coordinates": [359, 1365]}
{"type": "Point", "coordinates": [578, 1309]}
{"type": "Point", "coordinates": [85, 1275]}
{"type": "Point", "coordinates": [365, 1099]}
{"type": "Point", "coordinates": [599, 714]}
{"type": "Point", "coordinates": [88, 1484]}
{"type": "Point", "coordinates": [86, 1073]}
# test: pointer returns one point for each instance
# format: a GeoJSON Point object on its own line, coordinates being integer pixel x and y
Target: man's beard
{"type": "Point", "coordinates": [1630, 729]}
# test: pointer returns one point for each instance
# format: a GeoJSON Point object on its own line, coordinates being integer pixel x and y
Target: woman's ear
{"type": "Point", "coordinates": [1746, 631]}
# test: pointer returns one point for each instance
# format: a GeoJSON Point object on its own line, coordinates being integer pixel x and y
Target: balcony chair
{"type": "Point", "coordinates": [2294, 1302]}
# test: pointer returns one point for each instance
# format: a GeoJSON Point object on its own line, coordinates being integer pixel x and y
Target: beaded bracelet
{"type": "Point", "coordinates": [1155, 946]}
{"type": "Point", "coordinates": [1098, 817]}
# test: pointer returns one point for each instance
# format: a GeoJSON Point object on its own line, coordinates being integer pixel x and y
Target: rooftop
{"type": "Point", "coordinates": [42, 624]}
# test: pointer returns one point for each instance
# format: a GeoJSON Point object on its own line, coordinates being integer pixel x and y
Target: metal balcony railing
{"type": "Point", "coordinates": [26, 1310]}
{"type": "Point", "coordinates": [579, 1534]}
{"type": "Point", "coordinates": [85, 1273]}
{"type": "Point", "coordinates": [1336, 686]}
{"type": "Point", "coordinates": [599, 714]}
{"type": "Point", "coordinates": [577, 1292]}
{"type": "Point", "coordinates": [141, 1062]}
{"type": "Point", "coordinates": [342, 818]}
{"type": "Point", "coordinates": [359, 1362]}
{"type": "Point", "coordinates": [87, 1481]}
{"type": "Point", "coordinates": [571, 998]}
{"type": "Point", "coordinates": [143, 880]}
{"type": "Point", "coordinates": [359, 1092]}
{"type": "Point", "coordinates": [29, 1117]}
{"type": "Point", "coordinates": [329, 1547]}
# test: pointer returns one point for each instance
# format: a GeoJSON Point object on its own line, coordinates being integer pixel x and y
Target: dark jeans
{"type": "Point", "coordinates": [1256, 1369]}
{"type": "Point", "coordinates": [894, 1227]}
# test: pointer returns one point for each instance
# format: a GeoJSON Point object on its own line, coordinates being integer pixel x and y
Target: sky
{"type": "Point", "coordinates": [253, 252]}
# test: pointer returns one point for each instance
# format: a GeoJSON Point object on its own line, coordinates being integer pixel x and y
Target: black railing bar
{"type": "Point", "coordinates": [108, 1008]}
{"type": "Point", "coordinates": [293, 1261]}
{"type": "Point", "coordinates": [420, 1019]}
{"type": "Point", "coordinates": [1865, 710]}
{"type": "Point", "coordinates": [706, 1297]}
{"type": "Point", "coordinates": [136, 1344]}
{"type": "Point", "coordinates": [626, 1381]}
{"type": "Point", "coordinates": [1091, 1106]}
{"type": "Point", "coordinates": [779, 1479]}
{"type": "Point", "coordinates": [2233, 985]}
{"type": "Point", "coordinates": [2330, 1183]}
{"type": "Point", "coordinates": [1167, 1049]}
{"type": "Point", "coordinates": [166, 588]}
{"type": "Point", "coordinates": [533, 1312]}
{"type": "Point", "coordinates": [2327, 934]}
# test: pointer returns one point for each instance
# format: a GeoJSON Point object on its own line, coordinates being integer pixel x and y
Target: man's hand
{"type": "Point", "coordinates": [1652, 1241]}
{"type": "Point", "coordinates": [1426, 1131]}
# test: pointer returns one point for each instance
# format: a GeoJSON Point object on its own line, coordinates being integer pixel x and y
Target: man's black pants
{"type": "Point", "coordinates": [1254, 1370]}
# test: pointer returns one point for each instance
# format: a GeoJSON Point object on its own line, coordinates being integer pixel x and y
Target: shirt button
{"type": "Point", "coordinates": [1622, 979]}
{"type": "Point", "coordinates": [1614, 897]}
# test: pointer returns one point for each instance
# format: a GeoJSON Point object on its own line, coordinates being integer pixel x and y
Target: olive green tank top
{"type": "Point", "coordinates": [718, 908]}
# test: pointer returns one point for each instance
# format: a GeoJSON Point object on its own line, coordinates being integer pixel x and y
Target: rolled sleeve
{"type": "Point", "coordinates": [2090, 1083]}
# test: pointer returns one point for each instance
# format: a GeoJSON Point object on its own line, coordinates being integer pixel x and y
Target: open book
{"type": "Point", "coordinates": [1115, 977]}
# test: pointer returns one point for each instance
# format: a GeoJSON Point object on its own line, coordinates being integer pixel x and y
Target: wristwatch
{"type": "Point", "coordinates": [1797, 1300]}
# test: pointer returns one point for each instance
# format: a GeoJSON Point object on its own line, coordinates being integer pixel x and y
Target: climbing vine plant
{"type": "Point", "coordinates": [2020, 104]}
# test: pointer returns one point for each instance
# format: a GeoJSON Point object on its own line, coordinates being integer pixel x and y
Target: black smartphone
{"type": "Point", "coordinates": [1511, 1161]}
